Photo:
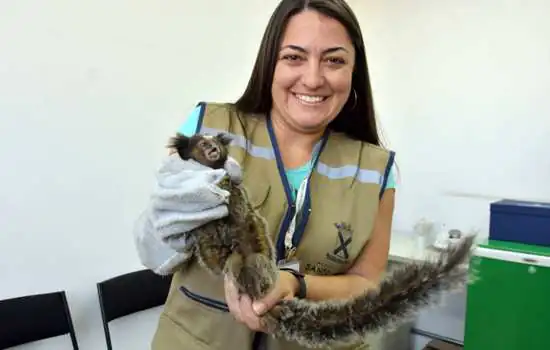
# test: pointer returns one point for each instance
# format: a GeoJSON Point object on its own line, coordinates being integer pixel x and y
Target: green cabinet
{"type": "Point", "coordinates": [508, 304]}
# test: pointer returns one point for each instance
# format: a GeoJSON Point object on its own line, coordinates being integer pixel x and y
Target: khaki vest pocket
{"type": "Point", "coordinates": [281, 344]}
{"type": "Point", "coordinates": [202, 321]}
{"type": "Point", "coordinates": [170, 336]}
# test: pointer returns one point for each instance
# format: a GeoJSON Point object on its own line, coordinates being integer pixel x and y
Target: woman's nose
{"type": "Point", "coordinates": [313, 76]}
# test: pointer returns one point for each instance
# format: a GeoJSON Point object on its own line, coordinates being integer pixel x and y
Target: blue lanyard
{"type": "Point", "coordinates": [301, 192]}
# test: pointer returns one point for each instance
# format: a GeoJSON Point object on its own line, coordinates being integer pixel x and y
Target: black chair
{"type": "Point", "coordinates": [35, 317]}
{"type": "Point", "coordinates": [130, 293]}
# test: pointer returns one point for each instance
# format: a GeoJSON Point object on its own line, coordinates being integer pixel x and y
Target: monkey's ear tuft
{"type": "Point", "coordinates": [224, 138]}
{"type": "Point", "coordinates": [181, 144]}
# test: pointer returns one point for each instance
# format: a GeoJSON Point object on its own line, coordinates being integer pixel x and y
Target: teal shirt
{"type": "Point", "coordinates": [295, 176]}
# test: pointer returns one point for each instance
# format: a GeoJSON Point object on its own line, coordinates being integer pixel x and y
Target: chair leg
{"type": "Point", "coordinates": [107, 335]}
{"type": "Point", "coordinates": [72, 332]}
{"type": "Point", "coordinates": [104, 320]}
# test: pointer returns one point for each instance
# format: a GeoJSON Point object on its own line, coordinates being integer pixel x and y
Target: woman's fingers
{"type": "Point", "coordinates": [248, 315]}
{"type": "Point", "coordinates": [232, 298]}
{"type": "Point", "coordinates": [240, 306]}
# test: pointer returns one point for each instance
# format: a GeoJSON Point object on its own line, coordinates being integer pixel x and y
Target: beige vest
{"type": "Point", "coordinates": [345, 186]}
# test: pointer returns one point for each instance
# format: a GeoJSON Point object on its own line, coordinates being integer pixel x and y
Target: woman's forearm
{"type": "Point", "coordinates": [369, 267]}
{"type": "Point", "coordinates": [336, 287]}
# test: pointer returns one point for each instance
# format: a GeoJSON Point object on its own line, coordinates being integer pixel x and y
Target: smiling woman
{"type": "Point", "coordinates": [312, 79]}
{"type": "Point", "coordinates": [304, 133]}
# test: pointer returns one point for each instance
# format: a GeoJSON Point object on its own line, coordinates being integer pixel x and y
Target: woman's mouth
{"type": "Point", "coordinates": [310, 99]}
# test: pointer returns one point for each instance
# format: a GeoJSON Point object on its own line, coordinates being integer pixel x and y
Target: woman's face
{"type": "Point", "coordinates": [313, 73]}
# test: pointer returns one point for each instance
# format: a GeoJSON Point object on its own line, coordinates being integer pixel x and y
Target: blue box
{"type": "Point", "coordinates": [520, 221]}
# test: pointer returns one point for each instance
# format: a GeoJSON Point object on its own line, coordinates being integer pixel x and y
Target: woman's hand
{"type": "Point", "coordinates": [248, 312]}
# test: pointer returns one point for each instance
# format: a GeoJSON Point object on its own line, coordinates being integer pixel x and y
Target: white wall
{"type": "Point", "coordinates": [89, 93]}
{"type": "Point", "coordinates": [90, 90]}
{"type": "Point", "coordinates": [461, 89]}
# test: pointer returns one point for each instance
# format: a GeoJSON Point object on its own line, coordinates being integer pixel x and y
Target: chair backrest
{"type": "Point", "coordinates": [129, 293]}
{"type": "Point", "coordinates": [35, 317]}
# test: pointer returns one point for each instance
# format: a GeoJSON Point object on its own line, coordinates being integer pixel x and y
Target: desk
{"type": "Point", "coordinates": [403, 249]}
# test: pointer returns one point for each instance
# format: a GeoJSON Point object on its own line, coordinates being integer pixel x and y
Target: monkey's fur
{"type": "Point", "coordinates": [239, 246]}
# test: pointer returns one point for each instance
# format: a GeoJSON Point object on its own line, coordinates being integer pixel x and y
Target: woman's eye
{"type": "Point", "coordinates": [336, 60]}
{"type": "Point", "coordinates": [291, 57]}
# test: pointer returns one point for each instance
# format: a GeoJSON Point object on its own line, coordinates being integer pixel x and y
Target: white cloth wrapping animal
{"type": "Point", "coordinates": [185, 196]}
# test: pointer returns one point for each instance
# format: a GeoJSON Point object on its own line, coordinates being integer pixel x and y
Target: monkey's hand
{"type": "Point", "coordinates": [233, 169]}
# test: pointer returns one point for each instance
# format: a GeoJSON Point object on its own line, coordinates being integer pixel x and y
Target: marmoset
{"type": "Point", "coordinates": [239, 246]}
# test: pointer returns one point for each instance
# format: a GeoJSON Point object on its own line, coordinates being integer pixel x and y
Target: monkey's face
{"type": "Point", "coordinates": [210, 151]}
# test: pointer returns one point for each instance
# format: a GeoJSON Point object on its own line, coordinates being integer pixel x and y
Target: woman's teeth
{"type": "Point", "coordinates": [310, 99]}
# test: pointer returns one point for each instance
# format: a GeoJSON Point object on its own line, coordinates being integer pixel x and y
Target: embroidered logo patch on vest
{"type": "Point", "coordinates": [340, 253]}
